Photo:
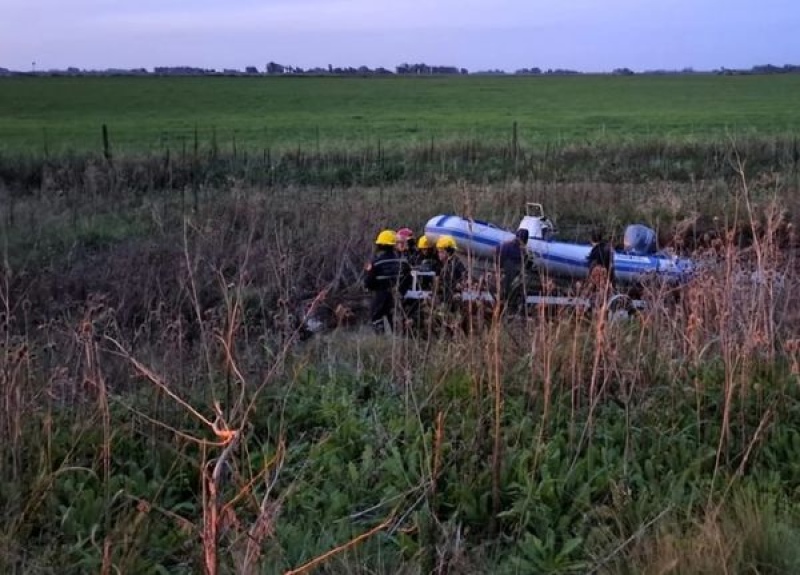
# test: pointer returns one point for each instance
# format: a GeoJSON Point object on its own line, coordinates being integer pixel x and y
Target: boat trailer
{"type": "Point", "coordinates": [619, 304]}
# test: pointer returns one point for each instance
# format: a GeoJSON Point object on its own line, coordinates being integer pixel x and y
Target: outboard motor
{"type": "Point", "coordinates": [639, 240]}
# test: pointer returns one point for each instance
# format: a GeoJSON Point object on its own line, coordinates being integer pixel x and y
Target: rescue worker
{"type": "Point", "coordinates": [601, 263]}
{"type": "Point", "coordinates": [511, 260]}
{"type": "Point", "coordinates": [428, 262]}
{"type": "Point", "coordinates": [417, 311]}
{"type": "Point", "coordinates": [452, 273]}
{"type": "Point", "coordinates": [385, 274]}
{"type": "Point", "coordinates": [407, 246]}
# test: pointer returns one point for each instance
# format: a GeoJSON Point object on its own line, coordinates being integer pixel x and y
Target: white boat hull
{"type": "Point", "coordinates": [561, 259]}
{"type": "Point", "coordinates": [473, 237]}
{"type": "Point", "coordinates": [570, 260]}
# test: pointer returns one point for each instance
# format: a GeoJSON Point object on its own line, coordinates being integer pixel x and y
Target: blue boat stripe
{"type": "Point", "coordinates": [618, 266]}
{"type": "Point", "coordinates": [464, 235]}
{"type": "Point", "coordinates": [652, 265]}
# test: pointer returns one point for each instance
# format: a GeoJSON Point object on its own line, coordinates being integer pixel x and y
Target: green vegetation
{"type": "Point", "coordinates": [151, 114]}
{"type": "Point", "coordinates": [164, 411]}
{"type": "Point", "coordinates": [635, 484]}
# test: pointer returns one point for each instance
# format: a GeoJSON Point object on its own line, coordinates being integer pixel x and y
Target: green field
{"type": "Point", "coordinates": [164, 407]}
{"type": "Point", "coordinates": [144, 114]}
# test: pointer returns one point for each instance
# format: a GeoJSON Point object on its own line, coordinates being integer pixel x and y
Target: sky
{"type": "Point", "coordinates": [584, 35]}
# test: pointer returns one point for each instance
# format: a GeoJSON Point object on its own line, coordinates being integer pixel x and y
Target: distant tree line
{"type": "Point", "coordinates": [405, 69]}
{"type": "Point", "coordinates": [426, 70]}
{"type": "Point", "coordinates": [765, 69]}
{"type": "Point", "coordinates": [275, 69]}
{"type": "Point", "coordinates": [548, 72]}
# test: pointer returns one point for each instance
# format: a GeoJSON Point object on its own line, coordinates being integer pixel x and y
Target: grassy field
{"type": "Point", "coordinates": [667, 444]}
{"type": "Point", "coordinates": [144, 114]}
{"type": "Point", "coordinates": [162, 409]}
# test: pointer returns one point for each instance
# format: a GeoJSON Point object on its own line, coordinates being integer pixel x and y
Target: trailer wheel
{"type": "Point", "coordinates": [621, 307]}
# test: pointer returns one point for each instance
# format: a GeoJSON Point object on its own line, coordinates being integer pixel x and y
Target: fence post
{"type": "Point", "coordinates": [514, 142]}
{"type": "Point", "coordinates": [195, 167]}
{"type": "Point", "coordinates": [106, 145]}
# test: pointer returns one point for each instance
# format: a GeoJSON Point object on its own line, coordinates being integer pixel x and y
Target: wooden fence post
{"type": "Point", "coordinates": [514, 142]}
{"type": "Point", "coordinates": [106, 145]}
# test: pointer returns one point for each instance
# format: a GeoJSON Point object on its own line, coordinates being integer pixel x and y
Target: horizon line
{"type": "Point", "coordinates": [416, 69]}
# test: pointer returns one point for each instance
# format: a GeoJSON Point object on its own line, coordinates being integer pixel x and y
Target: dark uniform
{"type": "Point", "coordinates": [413, 255]}
{"type": "Point", "coordinates": [601, 265]}
{"type": "Point", "coordinates": [511, 257]}
{"type": "Point", "coordinates": [407, 246]}
{"type": "Point", "coordinates": [386, 273]}
{"type": "Point", "coordinates": [452, 276]}
{"type": "Point", "coordinates": [428, 264]}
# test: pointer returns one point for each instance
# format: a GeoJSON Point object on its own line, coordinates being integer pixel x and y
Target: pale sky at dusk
{"type": "Point", "coordinates": [586, 35]}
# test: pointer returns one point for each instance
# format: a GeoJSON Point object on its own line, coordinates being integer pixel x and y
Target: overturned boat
{"type": "Point", "coordinates": [638, 260]}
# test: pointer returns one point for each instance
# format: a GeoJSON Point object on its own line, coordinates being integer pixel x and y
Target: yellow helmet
{"type": "Point", "coordinates": [424, 243]}
{"type": "Point", "coordinates": [446, 243]}
{"type": "Point", "coordinates": [386, 238]}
